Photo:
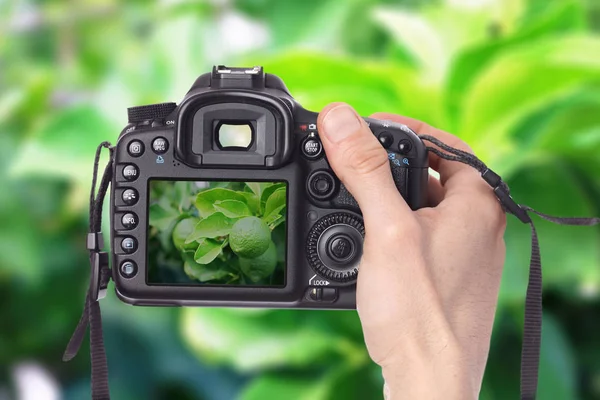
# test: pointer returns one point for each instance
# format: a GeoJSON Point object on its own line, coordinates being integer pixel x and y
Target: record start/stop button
{"type": "Point", "coordinates": [312, 147]}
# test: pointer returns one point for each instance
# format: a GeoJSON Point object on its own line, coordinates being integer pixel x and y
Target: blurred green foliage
{"type": "Point", "coordinates": [519, 80]}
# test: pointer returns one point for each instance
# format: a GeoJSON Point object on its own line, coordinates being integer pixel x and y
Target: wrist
{"type": "Point", "coordinates": [432, 375]}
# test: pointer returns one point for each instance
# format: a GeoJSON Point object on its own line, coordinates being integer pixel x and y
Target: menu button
{"type": "Point", "coordinates": [130, 172]}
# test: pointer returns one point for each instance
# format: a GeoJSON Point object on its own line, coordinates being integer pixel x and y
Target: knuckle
{"type": "Point", "coordinates": [364, 159]}
{"type": "Point", "coordinates": [499, 217]}
{"type": "Point", "coordinates": [429, 214]}
{"type": "Point", "coordinates": [402, 231]}
{"type": "Point", "coordinates": [490, 210]}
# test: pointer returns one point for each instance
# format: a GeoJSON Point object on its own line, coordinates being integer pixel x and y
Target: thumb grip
{"type": "Point", "coordinates": [344, 198]}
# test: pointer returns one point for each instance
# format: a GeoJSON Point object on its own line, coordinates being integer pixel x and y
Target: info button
{"type": "Point", "coordinates": [129, 220]}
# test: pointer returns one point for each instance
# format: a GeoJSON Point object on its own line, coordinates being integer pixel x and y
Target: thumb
{"type": "Point", "coordinates": [360, 162]}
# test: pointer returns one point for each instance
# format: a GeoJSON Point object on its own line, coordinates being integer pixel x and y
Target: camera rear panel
{"type": "Point", "coordinates": [285, 233]}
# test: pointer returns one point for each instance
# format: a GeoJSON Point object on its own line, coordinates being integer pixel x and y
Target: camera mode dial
{"type": "Point", "coordinates": [334, 246]}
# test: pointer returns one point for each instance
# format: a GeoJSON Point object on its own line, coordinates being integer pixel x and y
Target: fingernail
{"type": "Point", "coordinates": [340, 122]}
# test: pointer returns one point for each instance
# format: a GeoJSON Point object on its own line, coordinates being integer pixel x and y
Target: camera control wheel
{"type": "Point", "coordinates": [334, 246]}
{"type": "Point", "coordinates": [150, 112]}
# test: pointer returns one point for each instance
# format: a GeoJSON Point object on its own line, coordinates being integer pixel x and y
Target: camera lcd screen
{"type": "Point", "coordinates": [220, 233]}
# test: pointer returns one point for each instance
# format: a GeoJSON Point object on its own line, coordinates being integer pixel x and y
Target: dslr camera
{"type": "Point", "coordinates": [227, 199]}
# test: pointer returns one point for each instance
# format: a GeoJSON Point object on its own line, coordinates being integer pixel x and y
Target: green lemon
{"type": "Point", "coordinates": [182, 231]}
{"type": "Point", "coordinates": [260, 267]}
{"type": "Point", "coordinates": [249, 237]}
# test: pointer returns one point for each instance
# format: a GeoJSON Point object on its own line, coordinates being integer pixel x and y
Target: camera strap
{"type": "Point", "coordinates": [101, 273]}
{"type": "Point", "coordinates": [100, 276]}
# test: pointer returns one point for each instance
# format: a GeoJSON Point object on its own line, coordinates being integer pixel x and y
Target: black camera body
{"type": "Point", "coordinates": [227, 199]}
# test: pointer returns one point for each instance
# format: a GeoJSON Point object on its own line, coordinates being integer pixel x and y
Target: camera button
{"type": "Point", "coordinates": [404, 146]}
{"type": "Point", "coordinates": [129, 197]}
{"type": "Point", "coordinates": [135, 148]}
{"type": "Point", "coordinates": [321, 185]}
{"type": "Point", "coordinates": [312, 148]}
{"type": "Point", "coordinates": [128, 269]}
{"type": "Point", "coordinates": [129, 245]}
{"type": "Point", "coordinates": [312, 216]}
{"type": "Point", "coordinates": [129, 220]}
{"type": "Point", "coordinates": [386, 139]}
{"type": "Point", "coordinates": [130, 172]}
{"type": "Point", "coordinates": [160, 145]}
{"type": "Point", "coordinates": [340, 247]}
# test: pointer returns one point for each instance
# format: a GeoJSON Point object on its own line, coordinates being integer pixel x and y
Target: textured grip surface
{"type": "Point", "coordinates": [149, 112]}
{"type": "Point", "coordinates": [345, 200]}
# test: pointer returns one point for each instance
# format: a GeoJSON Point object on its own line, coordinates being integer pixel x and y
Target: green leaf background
{"type": "Point", "coordinates": [518, 79]}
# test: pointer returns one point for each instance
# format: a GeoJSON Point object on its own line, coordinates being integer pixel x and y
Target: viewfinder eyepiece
{"type": "Point", "coordinates": [234, 135]}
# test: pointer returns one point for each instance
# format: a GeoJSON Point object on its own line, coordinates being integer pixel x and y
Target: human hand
{"type": "Point", "coordinates": [429, 279]}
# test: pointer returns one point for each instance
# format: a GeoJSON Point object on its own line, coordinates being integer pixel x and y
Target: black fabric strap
{"type": "Point", "coordinates": [532, 332]}
{"type": "Point", "coordinates": [91, 313]}
{"type": "Point", "coordinates": [532, 328]}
